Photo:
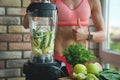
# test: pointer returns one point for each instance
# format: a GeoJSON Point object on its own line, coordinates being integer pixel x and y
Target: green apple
{"type": "Point", "coordinates": [90, 76]}
{"type": "Point", "coordinates": [81, 76]}
{"type": "Point", "coordinates": [99, 65]}
{"type": "Point", "coordinates": [74, 75]}
{"type": "Point", "coordinates": [80, 68]}
{"type": "Point", "coordinates": [92, 68]}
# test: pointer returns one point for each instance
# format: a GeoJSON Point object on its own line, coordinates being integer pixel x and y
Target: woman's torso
{"type": "Point", "coordinates": [64, 36]}
{"type": "Point", "coordinates": [70, 10]}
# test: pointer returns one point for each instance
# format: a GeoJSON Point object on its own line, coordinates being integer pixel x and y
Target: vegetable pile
{"type": "Point", "coordinates": [43, 42]}
{"type": "Point", "coordinates": [77, 53]}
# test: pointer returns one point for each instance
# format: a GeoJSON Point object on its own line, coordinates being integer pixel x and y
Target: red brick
{"type": "Point", "coordinates": [10, 37]}
{"type": "Point", "coordinates": [2, 64]}
{"type": "Point", "coordinates": [26, 37]}
{"type": "Point", "coordinates": [3, 46]}
{"type": "Point", "coordinates": [20, 46]}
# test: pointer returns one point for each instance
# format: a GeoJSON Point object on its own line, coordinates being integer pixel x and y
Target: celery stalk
{"type": "Point", "coordinates": [43, 42]}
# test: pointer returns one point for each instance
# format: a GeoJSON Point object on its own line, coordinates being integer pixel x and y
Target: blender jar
{"type": "Point", "coordinates": [43, 25]}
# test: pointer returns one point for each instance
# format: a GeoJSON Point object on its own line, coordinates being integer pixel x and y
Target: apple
{"type": "Point", "coordinates": [99, 65]}
{"type": "Point", "coordinates": [90, 76]}
{"type": "Point", "coordinates": [92, 68]}
{"type": "Point", "coordinates": [80, 68]}
{"type": "Point", "coordinates": [79, 76]}
{"type": "Point", "coordinates": [74, 75]}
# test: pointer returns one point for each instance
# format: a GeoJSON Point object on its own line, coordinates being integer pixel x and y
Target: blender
{"type": "Point", "coordinates": [43, 25]}
{"type": "Point", "coordinates": [43, 21]}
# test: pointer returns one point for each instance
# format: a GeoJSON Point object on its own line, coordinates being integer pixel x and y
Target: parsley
{"type": "Point", "coordinates": [77, 53]}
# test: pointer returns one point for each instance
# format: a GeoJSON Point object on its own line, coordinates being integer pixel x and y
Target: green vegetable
{"type": "Point", "coordinates": [77, 53]}
{"type": "Point", "coordinates": [91, 77]}
{"type": "Point", "coordinates": [109, 74]}
{"type": "Point", "coordinates": [43, 42]}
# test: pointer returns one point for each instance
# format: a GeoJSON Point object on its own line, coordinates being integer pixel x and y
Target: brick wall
{"type": "Point", "coordinates": [15, 40]}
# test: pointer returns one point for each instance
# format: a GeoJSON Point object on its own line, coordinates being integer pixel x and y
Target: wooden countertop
{"type": "Point", "coordinates": [65, 78]}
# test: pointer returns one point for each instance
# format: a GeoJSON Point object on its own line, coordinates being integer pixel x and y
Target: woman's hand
{"type": "Point", "coordinates": [79, 33]}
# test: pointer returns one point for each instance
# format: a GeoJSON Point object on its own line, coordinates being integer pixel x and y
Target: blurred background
{"type": "Point", "coordinates": [15, 47]}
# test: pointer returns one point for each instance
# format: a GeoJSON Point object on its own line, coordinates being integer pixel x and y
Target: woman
{"type": "Point", "coordinates": [73, 22]}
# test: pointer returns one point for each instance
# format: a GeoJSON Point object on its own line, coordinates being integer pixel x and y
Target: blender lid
{"type": "Point", "coordinates": [41, 9]}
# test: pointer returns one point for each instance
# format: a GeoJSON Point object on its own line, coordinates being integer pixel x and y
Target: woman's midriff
{"type": "Point", "coordinates": [64, 38]}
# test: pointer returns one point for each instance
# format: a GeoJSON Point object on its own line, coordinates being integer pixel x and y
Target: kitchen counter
{"type": "Point", "coordinates": [65, 78]}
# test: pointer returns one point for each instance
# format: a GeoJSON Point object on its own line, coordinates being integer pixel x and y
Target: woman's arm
{"type": "Point", "coordinates": [97, 18]}
{"type": "Point", "coordinates": [26, 21]}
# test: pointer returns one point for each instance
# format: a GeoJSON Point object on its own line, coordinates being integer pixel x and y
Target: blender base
{"type": "Point", "coordinates": [43, 71]}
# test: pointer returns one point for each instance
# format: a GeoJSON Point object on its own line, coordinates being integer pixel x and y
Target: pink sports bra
{"type": "Point", "coordinates": [68, 16]}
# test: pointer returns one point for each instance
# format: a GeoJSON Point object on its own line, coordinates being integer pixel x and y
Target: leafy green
{"type": "Point", "coordinates": [77, 53]}
{"type": "Point", "coordinates": [109, 74]}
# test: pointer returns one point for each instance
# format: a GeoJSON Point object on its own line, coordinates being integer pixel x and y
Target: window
{"type": "Point", "coordinates": [110, 48]}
